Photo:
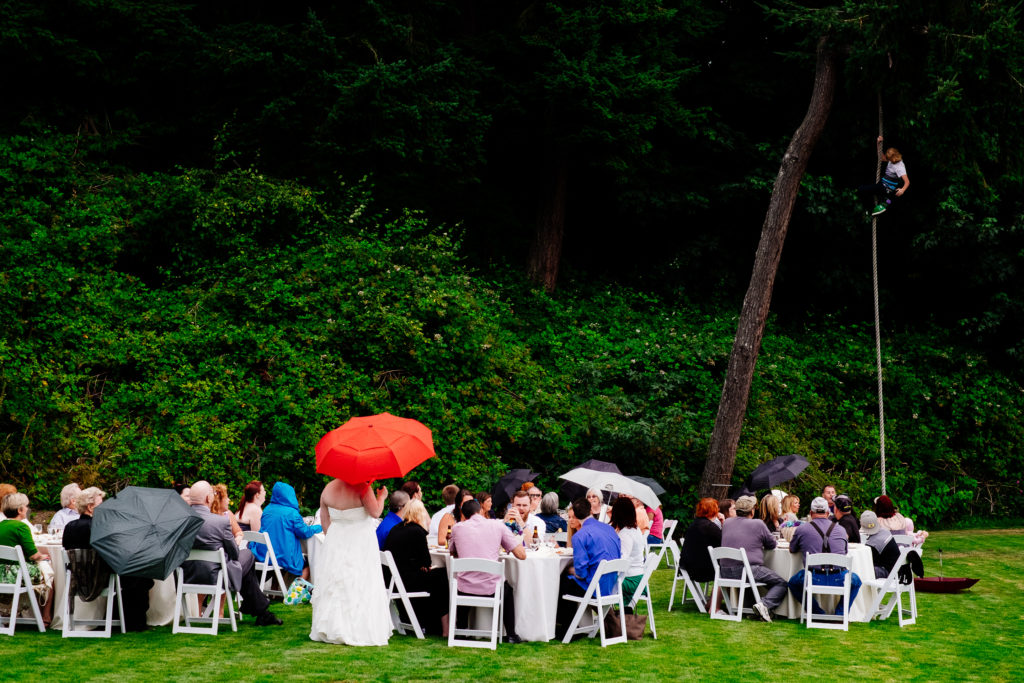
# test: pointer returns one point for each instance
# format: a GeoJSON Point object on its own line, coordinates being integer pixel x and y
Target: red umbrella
{"type": "Point", "coordinates": [375, 447]}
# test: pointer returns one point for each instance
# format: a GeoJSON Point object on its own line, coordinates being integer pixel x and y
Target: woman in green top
{"type": "Point", "coordinates": [15, 532]}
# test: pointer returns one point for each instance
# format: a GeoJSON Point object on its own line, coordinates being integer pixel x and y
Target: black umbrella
{"type": "Point", "coordinates": [502, 492]}
{"type": "Point", "coordinates": [144, 532]}
{"type": "Point", "coordinates": [772, 473]}
{"type": "Point", "coordinates": [571, 491]}
{"type": "Point", "coordinates": [647, 481]}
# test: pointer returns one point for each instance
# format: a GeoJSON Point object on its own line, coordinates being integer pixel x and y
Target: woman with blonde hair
{"type": "Point", "coordinates": [769, 511]}
{"type": "Point", "coordinates": [791, 504]}
{"type": "Point", "coordinates": [408, 545]}
{"type": "Point", "coordinates": [221, 505]}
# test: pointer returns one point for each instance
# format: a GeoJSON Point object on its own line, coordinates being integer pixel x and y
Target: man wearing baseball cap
{"type": "Point", "coordinates": [752, 535]}
{"type": "Point", "coordinates": [822, 535]}
{"type": "Point", "coordinates": [885, 552]}
{"type": "Point", "coordinates": [846, 518]}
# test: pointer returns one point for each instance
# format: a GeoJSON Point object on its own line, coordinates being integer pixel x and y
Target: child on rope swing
{"type": "Point", "coordinates": [894, 181]}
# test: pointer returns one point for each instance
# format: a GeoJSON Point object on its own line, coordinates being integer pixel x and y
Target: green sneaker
{"type": "Point", "coordinates": [878, 210]}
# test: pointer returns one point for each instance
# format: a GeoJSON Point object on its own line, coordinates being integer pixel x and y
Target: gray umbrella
{"type": "Point", "coordinates": [655, 486]}
{"type": "Point", "coordinates": [144, 532]}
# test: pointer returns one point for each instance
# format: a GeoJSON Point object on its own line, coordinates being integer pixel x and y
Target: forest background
{"type": "Point", "coordinates": [227, 227]}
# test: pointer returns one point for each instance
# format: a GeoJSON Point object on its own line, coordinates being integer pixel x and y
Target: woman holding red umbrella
{"type": "Point", "coordinates": [350, 602]}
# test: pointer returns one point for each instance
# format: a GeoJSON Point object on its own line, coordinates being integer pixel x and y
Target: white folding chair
{"type": "Point", "coordinates": [22, 586]}
{"type": "Point", "coordinates": [668, 546]}
{"type": "Point", "coordinates": [215, 590]}
{"type": "Point", "coordinates": [696, 591]}
{"type": "Point", "coordinates": [494, 602]}
{"type": "Point", "coordinates": [643, 591]}
{"type": "Point", "coordinates": [269, 564]}
{"type": "Point", "coordinates": [594, 599]}
{"type": "Point", "coordinates": [396, 591]}
{"type": "Point", "coordinates": [891, 585]}
{"type": "Point", "coordinates": [811, 589]}
{"type": "Point", "coordinates": [73, 628]}
{"type": "Point", "coordinates": [745, 581]}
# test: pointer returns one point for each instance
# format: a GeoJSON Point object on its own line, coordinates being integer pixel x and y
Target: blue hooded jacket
{"type": "Point", "coordinates": [283, 522]}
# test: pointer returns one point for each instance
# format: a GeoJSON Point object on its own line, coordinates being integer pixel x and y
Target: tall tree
{"type": "Point", "coordinates": [754, 314]}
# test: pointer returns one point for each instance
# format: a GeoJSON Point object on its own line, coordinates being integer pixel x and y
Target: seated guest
{"type": "Point", "coordinates": [821, 535]}
{"type": "Point", "coordinates": [408, 545]}
{"type": "Point", "coordinates": [399, 499]}
{"type": "Point", "coordinates": [890, 518]}
{"type": "Point", "coordinates": [67, 511]}
{"type": "Point", "coordinates": [486, 502]}
{"type": "Point", "coordinates": [222, 506]}
{"type": "Point", "coordinates": [885, 552]}
{"type": "Point", "coordinates": [448, 496]}
{"type": "Point", "coordinates": [829, 494]}
{"type": "Point", "coordinates": [535, 497]}
{"type": "Point", "coordinates": [454, 517]}
{"type": "Point", "coordinates": [6, 489]}
{"type": "Point", "coordinates": [769, 511]}
{"type": "Point", "coordinates": [285, 526]}
{"type": "Point", "coordinates": [791, 505]}
{"type": "Point", "coordinates": [702, 532]}
{"type": "Point", "coordinates": [250, 512]}
{"type": "Point", "coordinates": [598, 510]}
{"type": "Point", "coordinates": [656, 533]}
{"type": "Point", "coordinates": [726, 510]}
{"type": "Point", "coordinates": [753, 536]}
{"type": "Point", "coordinates": [592, 542]}
{"type": "Point", "coordinates": [521, 522]}
{"type": "Point", "coordinates": [643, 522]}
{"type": "Point", "coordinates": [77, 532]}
{"type": "Point", "coordinates": [549, 513]}
{"type": "Point", "coordinates": [412, 489]}
{"type": "Point", "coordinates": [215, 533]}
{"type": "Point", "coordinates": [632, 544]}
{"type": "Point", "coordinates": [14, 532]}
{"type": "Point", "coordinates": [482, 538]}
{"type": "Point", "coordinates": [846, 517]}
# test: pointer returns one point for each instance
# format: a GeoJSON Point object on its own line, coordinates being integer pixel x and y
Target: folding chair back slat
{"type": "Point", "coordinates": [269, 564]}
{"type": "Point", "coordinates": [397, 592]}
{"type": "Point", "coordinates": [810, 589]}
{"type": "Point", "coordinates": [215, 591]}
{"type": "Point", "coordinates": [73, 627]}
{"type": "Point", "coordinates": [494, 602]}
{"type": "Point", "coordinates": [695, 590]}
{"type": "Point", "coordinates": [22, 586]}
{"type": "Point", "coordinates": [594, 599]}
{"type": "Point", "coordinates": [643, 591]}
{"type": "Point", "coordinates": [745, 581]}
{"type": "Point", "coordinates": [891, 585]}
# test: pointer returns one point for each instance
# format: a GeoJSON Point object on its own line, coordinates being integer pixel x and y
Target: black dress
{"type": "Point", "coordinates": [694, 554]}
{"type": "Point", "coordinates": [408, 545]}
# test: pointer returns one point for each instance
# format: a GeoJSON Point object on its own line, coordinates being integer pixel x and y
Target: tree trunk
{"type": "Point", "coordinates": [546, 250]}
{"type": "Point", "coordinates": [740, 374]}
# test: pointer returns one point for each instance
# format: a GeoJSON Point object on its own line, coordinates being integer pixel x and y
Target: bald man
{"type": "Point", "coordinates": [215, 534]}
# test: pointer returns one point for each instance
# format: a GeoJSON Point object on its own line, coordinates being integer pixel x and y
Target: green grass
{"type": "Point", "coordinates": [976, 635]}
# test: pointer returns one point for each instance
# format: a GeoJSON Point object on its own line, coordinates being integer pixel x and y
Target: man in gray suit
{"type": "Point", "coordinates": [215, 534]}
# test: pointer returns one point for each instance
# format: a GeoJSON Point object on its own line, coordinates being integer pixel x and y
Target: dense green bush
{"type": "Point", "coordinates": [163, 327]}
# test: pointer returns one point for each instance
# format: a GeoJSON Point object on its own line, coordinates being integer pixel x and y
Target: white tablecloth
{"type": "Point", "coordinates": [786, 564]}
{"type": "Point", "coordinates": [534, 584]}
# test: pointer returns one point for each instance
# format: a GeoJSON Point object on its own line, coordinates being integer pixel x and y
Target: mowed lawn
{"type": "Point", "coordinates": [975, 635]}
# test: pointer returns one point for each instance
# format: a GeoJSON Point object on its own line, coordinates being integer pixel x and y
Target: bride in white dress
{"type": "Point", "coordinates": [350, 603]}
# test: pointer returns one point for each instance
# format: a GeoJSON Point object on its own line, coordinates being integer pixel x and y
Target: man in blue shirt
{"type": "Point", "coordinates": [399, 499]}
{"type": "Point", "coordinates": [592, 542]}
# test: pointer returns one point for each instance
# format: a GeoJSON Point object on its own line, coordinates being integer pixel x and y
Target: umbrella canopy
{"type": "Point", "coordinates": [375, 447]}
{"type": "Point", "coordinates": [144, 532]}
{"type": "Point", "coordinates": [571, 491]}
{"type": "Point", "coordinates": [612, 482]}
{"type": "Point", "coordinates": [647, 481]}
{"type": "Point", "coordinates": [502, 492]}
{"type": "Point", "coordinates": [772, 473]}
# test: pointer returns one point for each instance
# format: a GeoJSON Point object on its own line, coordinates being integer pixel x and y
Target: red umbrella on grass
{"type": "Point", "coordinates": [375, 447]}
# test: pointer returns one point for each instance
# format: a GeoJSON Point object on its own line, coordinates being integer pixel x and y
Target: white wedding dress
{"type": "Point", "coordinates": [350, 602]}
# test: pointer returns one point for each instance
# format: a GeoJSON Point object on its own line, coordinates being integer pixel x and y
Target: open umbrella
{"type": "Point", "coordinates": [144, 532]}
{"type": "Point", "coordinates": [647, 481]}
{"type": "Point", "coordinates": [571, 491]}
{"type": "Point", "coordinates": [375, 447]}
{"type": "Point", "coordinates": [502, 492]}
{"type": "Point", "coordinates": [612, 482]}
{"type": "Point", "coordinates": [772, 473]}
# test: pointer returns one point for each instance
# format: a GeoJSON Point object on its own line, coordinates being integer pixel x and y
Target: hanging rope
{"type": "Point", "coordinates": [878, 325]}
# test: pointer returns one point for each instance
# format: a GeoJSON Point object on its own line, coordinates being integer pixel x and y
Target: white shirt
{"type": "Point", "coordinates": [61, 518]}
{"type": "Point", "coordinates": [435, 521]}
{"type": "Point", "coordinates": [633, 545]}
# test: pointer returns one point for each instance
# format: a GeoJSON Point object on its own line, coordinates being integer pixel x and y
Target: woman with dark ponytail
{"type": "Point", "coordinates": [250, 512]}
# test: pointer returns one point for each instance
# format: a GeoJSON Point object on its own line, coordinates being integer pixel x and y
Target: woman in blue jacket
{"type": "Point", "coordinates": [283, 522]}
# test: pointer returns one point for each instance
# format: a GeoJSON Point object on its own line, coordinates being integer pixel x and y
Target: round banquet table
{"type": "Point", "coordinates": [534, 584]}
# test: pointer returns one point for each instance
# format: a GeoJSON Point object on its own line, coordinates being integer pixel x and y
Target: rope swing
{"type": "Point", "coordinates": [874, 276]}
